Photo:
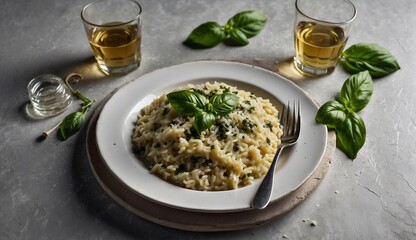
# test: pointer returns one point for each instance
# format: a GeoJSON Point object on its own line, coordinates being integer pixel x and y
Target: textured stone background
{"type": "Point", "coordinates": [47, 190]}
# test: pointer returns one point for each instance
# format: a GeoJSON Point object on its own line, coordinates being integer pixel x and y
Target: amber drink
{"type": "Point", "coordinates": [116, 48]}
{"type": "Point", "coordinates": [319, 43]}
{"type": "Point", "coordinates": [114, 32]}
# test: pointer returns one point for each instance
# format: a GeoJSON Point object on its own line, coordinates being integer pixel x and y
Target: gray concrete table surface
{"type": "Point", "coordinates": [47, 189]}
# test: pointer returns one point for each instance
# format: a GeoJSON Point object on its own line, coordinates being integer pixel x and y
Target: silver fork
{"type": "Point", "coordinates": [290, 119]}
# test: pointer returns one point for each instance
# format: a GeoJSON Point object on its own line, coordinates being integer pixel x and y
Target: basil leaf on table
{"type": "Point", "coordinates": [250, 23]}
{"type": "Point", "coordinates": [342, 115]}
{"type": "Point", "coordinates": [244, 25]}
{"type": "Point", "coordinates": [332, 114]}
{"type": "Point", "coordinates": [71, 124]}
{"type": "Point", "coordinates": [356, 91]}
{"type": "Point", "coordinates": [372, 57]}
{"type": "Point", "coordinates": [206, 35]}
{"type": "Point", "coordinates": [237, 31]}
{"type": "Point", "coordinates": [237, 38]}
{"type": "Point", "coordinates": [187, 102]}
{"type": "Point", "coordinates": [351, 134]}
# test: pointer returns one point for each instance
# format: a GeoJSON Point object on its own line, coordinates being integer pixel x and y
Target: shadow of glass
{"type": "Point", "coordinates": [88, 68]}
{"type": "Point", "coordinates": [288, 70]}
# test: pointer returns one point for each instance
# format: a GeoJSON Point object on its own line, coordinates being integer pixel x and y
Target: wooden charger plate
{"type": "Point", "coordinates": [197, 221]}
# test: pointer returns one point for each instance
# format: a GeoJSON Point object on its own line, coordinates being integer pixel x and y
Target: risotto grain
{"type": "Point", "coordinates": [233, 152]}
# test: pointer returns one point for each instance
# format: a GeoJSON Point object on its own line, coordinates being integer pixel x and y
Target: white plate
{"type": "Point", "coordinates": [116, 122]}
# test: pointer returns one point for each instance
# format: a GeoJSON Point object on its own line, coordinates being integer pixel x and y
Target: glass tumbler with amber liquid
{"type": "Point", "coordinates": [113, 29]}
{"type": "Point", "coordinates": [322, 28]}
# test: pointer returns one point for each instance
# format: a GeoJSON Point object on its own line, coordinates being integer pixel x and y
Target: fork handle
{"type": "Point", "coordinates": [264, 192]}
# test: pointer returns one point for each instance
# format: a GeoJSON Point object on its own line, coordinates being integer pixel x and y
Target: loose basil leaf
{"type": "Point", "coordinates": [187, 102]}
{"type": "Point", "coordinates": [237, 38]}
{"type": "Point", "coordinates": [351, 135]}
{"type": "Point", "coordinates": [71, 124]}
{"type": "Point", "coordinates": [224, 103]}
{"type": "Point", "coordinates": [249, 23]}
{"type": "Point", "coordinates": [203, 120]}
{"type": "Point", "coordinates": [372, 57]}
{"type": "Point", "coordinates": [206, 35]}
{"type": "Point", "coordinates": [356, 91]}
{"type": "Point", "coordinates": [332, 114]}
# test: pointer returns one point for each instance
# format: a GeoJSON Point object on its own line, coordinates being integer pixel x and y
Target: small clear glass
{"type": "Point", "coordinates": [322, 28]}
{"type": "Point", "coordinates": [49, 96]}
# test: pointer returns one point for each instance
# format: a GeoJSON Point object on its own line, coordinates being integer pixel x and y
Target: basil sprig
{"type": "Point", "coordinates": [73, 122]}
{"type": "Point", "coordinates": [342, 115]}
{"type": "Point", "coordinates": [206, 35]}
{"type": "Point", "coordinates": [237, 31]}
{"type": "Point", "coordinates": [205, 111]}
{"type": "Point", "coordinates": [372, 57]}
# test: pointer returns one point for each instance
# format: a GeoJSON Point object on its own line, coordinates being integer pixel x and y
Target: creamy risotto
{"type": "Point", "coordinates": [234, 151]}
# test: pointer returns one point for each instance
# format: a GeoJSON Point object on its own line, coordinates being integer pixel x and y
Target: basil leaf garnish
{"type": "Point", "coordinates": [206, 35]}
{"type": "Point", "coordinates": [356, 91]}
{"type": "Point", "coordinates": [225, 103]}
{"type": "Point", "coordinates": [237, 31]}
{"type": "Point", "coordinates": [372, 57]}
{"type": "Point", "coordinates": [203, 120]}
{"type": "Point", "coordinates": [192, 103]}
{"type": "Point", "coordinates": [342, 115]}
{"type": "Point", "coordinates": [71, 124]}
{"type": "Point", "coordinates": [187, 102]}
{"type": "Point", "coordinates": [249, 23]}
{"type": "Point", "coordinates": [351, 134]}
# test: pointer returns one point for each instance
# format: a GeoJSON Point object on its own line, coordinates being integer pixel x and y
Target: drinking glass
{"type": "Point", "coordinates": [113, 29]}
{"type": "Point", "coordinates": [322, 28]}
